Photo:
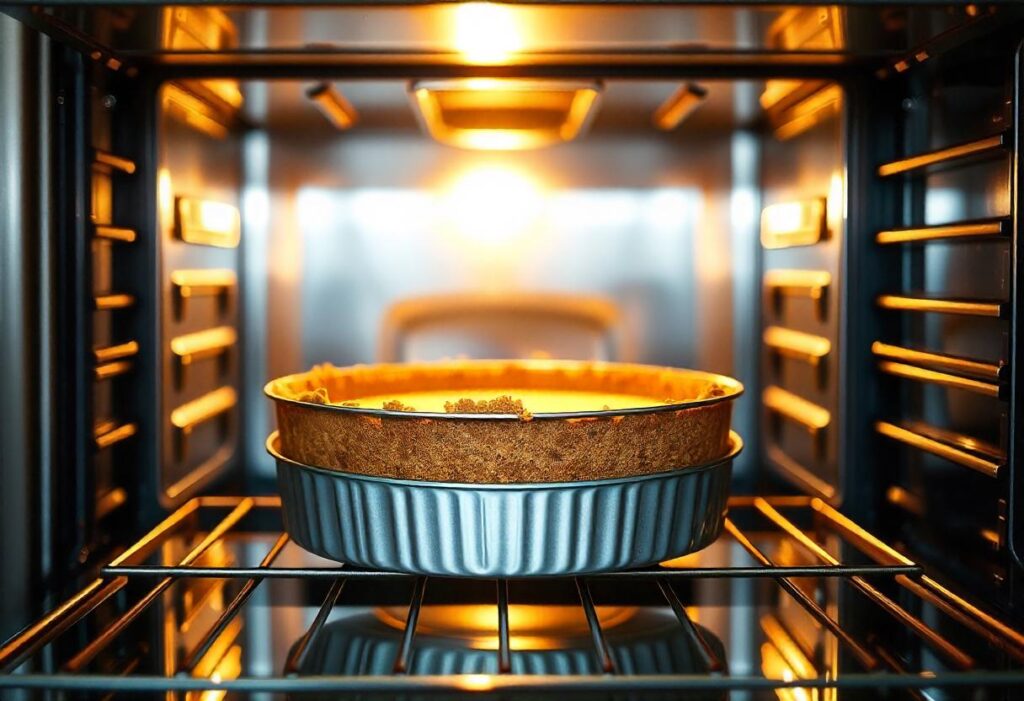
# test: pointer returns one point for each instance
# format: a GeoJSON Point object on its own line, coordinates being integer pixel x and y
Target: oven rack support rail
{"type": "Point", "coordinates": [877, 667]}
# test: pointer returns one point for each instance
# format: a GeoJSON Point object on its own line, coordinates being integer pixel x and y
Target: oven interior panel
{"type": "Point", "coordinates": [803, 229]}
{"type": "Point", "coordinates": [884, 311]}
{"type": "Point", "coordinates": [198, 182]}
{"type": "Point", "coordinates": [945, 359]}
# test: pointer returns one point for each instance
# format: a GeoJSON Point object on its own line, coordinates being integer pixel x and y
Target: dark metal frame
{"type": "Point", "coordinates": [879, 668]}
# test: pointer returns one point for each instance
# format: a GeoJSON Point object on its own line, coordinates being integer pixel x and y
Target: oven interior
{"type": "Point", "coordinates": [818, 200]}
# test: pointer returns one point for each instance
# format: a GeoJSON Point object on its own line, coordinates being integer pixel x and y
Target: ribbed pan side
{"type": "Point", "coordinates": [465, 530]}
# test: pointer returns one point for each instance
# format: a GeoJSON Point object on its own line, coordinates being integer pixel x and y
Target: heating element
{"type": "Point", "coordinates": [766, 607]}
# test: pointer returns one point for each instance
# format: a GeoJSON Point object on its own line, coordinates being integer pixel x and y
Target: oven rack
{"type": "Point", "coordinates": [876, 666]}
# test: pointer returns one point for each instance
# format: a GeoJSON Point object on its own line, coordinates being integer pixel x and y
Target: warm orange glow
{"type": "Point", "coordinates": [492, 114]}
{"type": "Point", "coordinates": [493, 204]}
{"type": "Point", "coordinates": [230, 667]}
{"type": "Point", "coordinates": [475, 682]}
{"type": "Point", "coordinates": [530, 627]}
{"type": "Point", "coordinates": [186, 107]}
{"type": "Point", "coordinates": [799, 223]}
{"type": "Point", "coordinates": [486, 33]}
{"type": "Point", "coordinates": [208, 222]}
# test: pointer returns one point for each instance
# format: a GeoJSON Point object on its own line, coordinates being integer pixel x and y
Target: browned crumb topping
{"type": "Point", "coordinates": [396, 405]}
{"type": "Point", "coordinates": [499, 405]}
{"type": "Point", "coordinates": [712, 390]}
{"type": "Point", "coordinates": [315, 396]}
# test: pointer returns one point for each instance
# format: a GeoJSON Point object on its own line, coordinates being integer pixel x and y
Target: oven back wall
{"type": "Point", "coordinates": [358, 221]}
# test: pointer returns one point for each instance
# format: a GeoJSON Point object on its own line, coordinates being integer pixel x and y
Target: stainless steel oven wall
{"type": "Point", "coordinates": [359, 220]}
{"type": "Point", "coordinates": [23, 358]}
{"type": "Point", "coordinates": [946, 437]}
{"type": "Point", "coordinates": [198, 193]}
{"type": "Point", "coordinates": [803, 230]}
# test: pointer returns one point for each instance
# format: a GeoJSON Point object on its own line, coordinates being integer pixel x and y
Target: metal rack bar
{"type": "Point", "coordinates": [988, 627]}
{"type": "Point", "coordinates": [956, 363]}
{"type": "Point", "coordinates": [951, 652]}
{"type": "Point", "coordinates": [944, 155]}
{"type": "Point", "coordinates": [115, 435]}
{"type": "Point", "coordinates": [35, 636]}
{"type": "Point", "coordinates": [864, 657]}
{"type": "Point", "coordinates": [985, 466]}
{"type": "Point", "coordinates": [104, 158]}
{"type": "Point", "coordinates": [89, 652]}
{"type": "Point", "coordinates": [807, 347]}
{"type": "Point", "coordinates": [688, 573]}
{"type": "Point", "coordinates": [199, 345]}
{"type": "Point", "coordinates": [415, 605]}
{"type": "Point", "coordinates": [965, 307]}
{"type": "Point", "coordinates": [812, 284]}
{"type": "Point", "coordinates": [504, 648]}
{"type": "Point", "coordinates": [602, 651]}
{"type": "Point", "coordinates": [200, 650]}
{"type": "Point", "coordinates": [117, 352]}
{"type": "Point", "coordinates": [913, 372]}
{"type": "Point", "coordinates": [31, 639]}
{"type": "Point", "coordinates": [812, 417]}
{"type": "Point", "coordinates": [109, 501]}
{"type": "Point", "coordinates": [895, 665]}
{"type": "Point", "coordinates": [711, 660]}
{"type": "Point", "coordinates": [969, 230]}
{"type": "Point", "coordinates": [298, 652]}
{"type": "Point", "coordinates": [113, 301]}
{"type": "Point", "coordinates": [388, 686]}
{"type": "Point", "coordinates": [110, 370]}
{"type": "Point", "coordinates": [121, 234]}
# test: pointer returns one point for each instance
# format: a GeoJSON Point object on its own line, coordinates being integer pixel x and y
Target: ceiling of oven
{"type": "Point", "coordinates": [626, 106]}
{"type": "Point", "coordinates": [535, 33]}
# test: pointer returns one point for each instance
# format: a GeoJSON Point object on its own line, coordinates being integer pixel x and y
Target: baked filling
{"type": "Point", "coordinates": [504, 401]}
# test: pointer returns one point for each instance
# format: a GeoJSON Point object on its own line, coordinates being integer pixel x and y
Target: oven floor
{"type": "Point", "coordinates": [793, 601]}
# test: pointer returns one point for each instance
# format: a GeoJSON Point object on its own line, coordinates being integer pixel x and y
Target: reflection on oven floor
{"type": "Point", "coordinates": [642, 641]}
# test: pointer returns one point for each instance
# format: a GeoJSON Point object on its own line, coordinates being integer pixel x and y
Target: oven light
{"type": "Point", "coordinates": [788, 224]}
{"type": "Point", "coordinates": [680, 105]}
{"type": "Point", "coordinates": [485, 33]}
{"type": "Point", "coordinates": [208, 222]}
{"type": "Point", "coordinates": [493, 204]}
{"type": "Point", "coordinates": [333, 106]}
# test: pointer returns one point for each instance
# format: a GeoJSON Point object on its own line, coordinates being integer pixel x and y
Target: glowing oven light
{"type": "Point", "coordinates": [493, 204]}
{"type": "Point", "coordinates": [485, 33]}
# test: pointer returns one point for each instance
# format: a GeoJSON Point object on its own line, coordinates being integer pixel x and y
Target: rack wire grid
{"type": "Point", "coordinates": [792, 550]}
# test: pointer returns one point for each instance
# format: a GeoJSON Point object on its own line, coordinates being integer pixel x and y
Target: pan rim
{"type": "Point", "coordinates": [735, 390]}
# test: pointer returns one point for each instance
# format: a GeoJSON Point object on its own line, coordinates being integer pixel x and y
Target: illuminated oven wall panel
{"type": "Point", "coordinates": [946, 433]}
{"type": "Point", "coordinates": [802, 233]}
{"type": "Point", "coordinates": [362, 220]}
{"type": "Point", "coordinates": [197, 191]}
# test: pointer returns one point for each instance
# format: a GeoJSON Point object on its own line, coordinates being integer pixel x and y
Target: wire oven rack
{"type": "Point", "coordinates": [895, 589]}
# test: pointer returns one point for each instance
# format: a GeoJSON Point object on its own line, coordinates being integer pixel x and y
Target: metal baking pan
{"type": "Point", "coordinates": [687, 423]}
{"type": "Point", "coordinates": [503, 530]}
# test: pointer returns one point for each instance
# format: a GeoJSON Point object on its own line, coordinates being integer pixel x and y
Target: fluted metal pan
{"type": "Point", "coordinates": [503, 530]}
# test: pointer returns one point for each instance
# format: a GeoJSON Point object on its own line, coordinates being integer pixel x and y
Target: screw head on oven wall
{"type": "Point", "coordinates": [108, 101]}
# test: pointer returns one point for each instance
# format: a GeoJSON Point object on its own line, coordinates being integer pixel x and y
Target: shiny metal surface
{"type": "Point", "coordinates": [645, 641]}
{"type": "Point", "coordinates": [468, 530]}
{"type": "Point", "coordinates": [20, 354]}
